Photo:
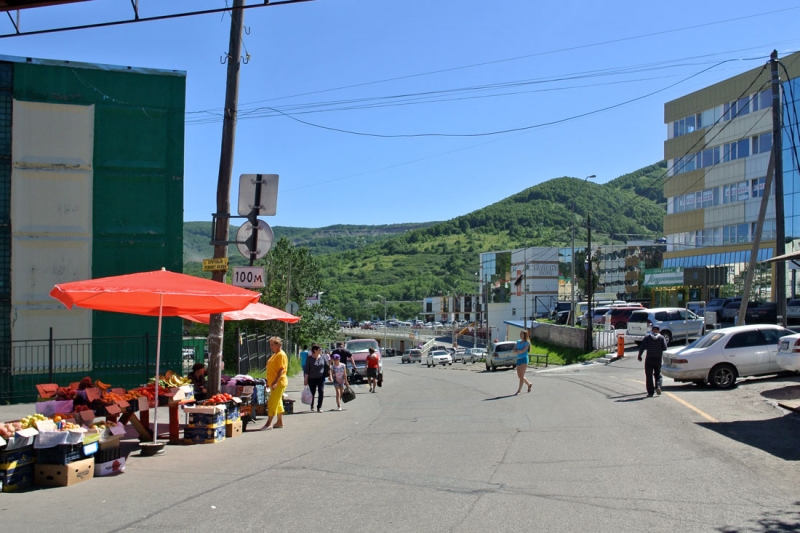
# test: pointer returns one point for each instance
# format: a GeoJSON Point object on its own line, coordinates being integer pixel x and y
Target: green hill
{"type": "Point", "coordinates": [406, 262]}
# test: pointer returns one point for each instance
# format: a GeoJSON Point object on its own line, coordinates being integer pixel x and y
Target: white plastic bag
{"type": "Point", "coordinates": [306, 396]}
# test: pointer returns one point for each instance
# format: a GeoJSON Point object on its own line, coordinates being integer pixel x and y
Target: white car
{"type": "Point", "coordinates": [458, 354]}
{"type": "Point", "coordinates": [438, 357]}
{"type": "Point", "coordinates": [474, 355]}
{"type": "Point", "coordinates": [788, 357]}
{"type": "Point", "coordinates": [675, 324]}
{"type": "Point", "coordinates": [723, 355]}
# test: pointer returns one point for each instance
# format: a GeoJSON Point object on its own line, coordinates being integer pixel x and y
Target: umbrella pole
{"type": "Point", "coordinates": [158, 362]}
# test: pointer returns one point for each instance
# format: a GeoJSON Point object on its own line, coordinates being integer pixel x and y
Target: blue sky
{"type": "Point", "coordinates": [539, 62]}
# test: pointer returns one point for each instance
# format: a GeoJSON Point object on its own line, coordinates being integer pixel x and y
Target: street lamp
{"type": "Point", "coordinates": [572, 258]}
{"type": "Point", "coordinates": [384, 319]}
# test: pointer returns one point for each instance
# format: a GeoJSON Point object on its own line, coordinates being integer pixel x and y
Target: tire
{"type": "Point", "coordinates": [621, 325]}
{"type": "Point", "coordinates": [493, 368]}
{"type": "Point", "coordinates": [668, 336]}
{"type": "Point", "coordinates": [488, 368]}
{"type": "Point", "coordinates": [429, 365]}
{"type": "Point", "coordinates": [451, 364]}
{"type": "Point", "coordinates": [722, 376]}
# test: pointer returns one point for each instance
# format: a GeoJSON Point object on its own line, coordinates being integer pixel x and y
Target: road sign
{"type": "Point", "coordinates": [267, 195]}
{"type": "Point", "coordinates": [215, 265]}
{"type": "Point", "coordinates": [244, 238]}
{"type": "Point", "coordinates": [292, 308]}
{"type": "Point", "coordinates": [248, 277]}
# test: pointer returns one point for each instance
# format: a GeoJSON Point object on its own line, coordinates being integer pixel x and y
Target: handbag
{"type": "Point", "coordinates": [380, 379]}
{"type": "Point", "coordinates": [306, 396]}
{"type": "Point", "coordinates": [348, 395]}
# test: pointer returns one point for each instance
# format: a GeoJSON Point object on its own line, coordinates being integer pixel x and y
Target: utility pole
{"type": "Point", "coordinates": [525, 291]}
{"type": "Point", "coordinates": [216, 324]}
{"type": "Point", "coordinates": [780, 231]}
{"type": "Point", "coordinates": [590, 311]}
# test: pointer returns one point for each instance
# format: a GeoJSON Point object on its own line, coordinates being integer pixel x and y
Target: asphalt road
{"type": "Point", "coordinates": [448, 449]}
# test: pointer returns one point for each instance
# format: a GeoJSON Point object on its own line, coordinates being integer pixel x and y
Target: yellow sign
{"type": "Point", "coordinates": [214, 265]}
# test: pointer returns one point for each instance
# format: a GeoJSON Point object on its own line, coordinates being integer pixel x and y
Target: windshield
{"type": "Point", "coordinates": [638, 317]}
{"type": "Point", "coordinates": [708, 340]}
{"type": "Point", "coordinates": [716, 303]}
{"type": "Point", "coordinates": [361, 345]}
{"type": "Point", "coordinates": [504, 347]}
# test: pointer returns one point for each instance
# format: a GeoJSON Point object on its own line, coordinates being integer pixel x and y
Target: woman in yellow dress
{"type": "Point", "coordinates": [277, 366]}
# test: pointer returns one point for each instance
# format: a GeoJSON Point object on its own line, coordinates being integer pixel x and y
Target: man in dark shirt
{"type": "Point", "coordinates": [655, 344]}
{"type": "Point", "coordinates": [345, 356]}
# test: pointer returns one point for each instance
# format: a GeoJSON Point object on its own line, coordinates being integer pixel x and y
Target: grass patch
{"type": "Point", "coordinates": [562, 355]}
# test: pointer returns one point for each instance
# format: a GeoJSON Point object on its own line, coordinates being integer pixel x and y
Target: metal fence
{"type": "Point", "coordinates": [252, 351]}
{"type": "Point", "coordinates": [122, 361]}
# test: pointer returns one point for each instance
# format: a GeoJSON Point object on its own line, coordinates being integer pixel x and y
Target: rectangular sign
{"type": "Point", "coordinates": [248, 277]}
{"type": "Point", "coordinates": [214, 265]}
{"type": "Point", "coordinates": [663, 277]}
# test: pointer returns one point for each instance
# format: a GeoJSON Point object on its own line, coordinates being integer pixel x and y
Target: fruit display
{"type": "Point", "coordinates": [132, 395]}
{"type": "Point", "coordinates": [85, 383]}
{"type": "Point", "coordinates": [65, 393]}
{"type": "Point", "coordinates": [8, 429]}
{"type": "Point", "coordinates": [170, 379]}
{"type": "Point", "coordinates": [100, 385]}
{"type": "Point", "coordinates": [102, 426]}
{"type": "Point", "coordinates": [109, 398]}
{"type": "Point", "coordinates": [218, 399]}
{"type": "Point", "coordinates": [81, 408]}
{"type": "Point", "coordinates": [30, 420]}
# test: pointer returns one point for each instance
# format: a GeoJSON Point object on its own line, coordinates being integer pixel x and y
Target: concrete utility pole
{"type": "Point", "coordinates": [216, 324]}
{"type": "Point", "coordinates": [590, 311]}
{"type": "Point", "coordinates": [780, 231]}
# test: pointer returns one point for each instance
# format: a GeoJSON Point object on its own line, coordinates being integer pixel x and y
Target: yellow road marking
{"type": "Point", "coordinates": [683, 402]}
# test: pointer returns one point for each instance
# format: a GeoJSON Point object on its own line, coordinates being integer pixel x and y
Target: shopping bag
{"type": "Point", "coordinates": [306, 396]}
{"type": "Point", "coordinates": [380, 379]}
{"type": "Point", "coordinates": [348, 395]}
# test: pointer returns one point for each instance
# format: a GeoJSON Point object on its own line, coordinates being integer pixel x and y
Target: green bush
{"type": "Point", "coordinates": [562, 355]}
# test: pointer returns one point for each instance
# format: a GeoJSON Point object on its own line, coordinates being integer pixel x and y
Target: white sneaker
{"type": "Point", "coordinates": [658, 391]}
{"type": "Point", "coordinates": [339, 409]}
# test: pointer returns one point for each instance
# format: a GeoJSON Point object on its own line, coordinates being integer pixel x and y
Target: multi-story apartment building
{"type": "Point", "coordinates": [718, 147]}
{"type": "Point", "coordinates": [619, 266]}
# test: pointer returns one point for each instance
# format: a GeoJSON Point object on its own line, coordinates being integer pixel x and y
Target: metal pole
{"type": "Point", "coordinates": [589, 313]}
{"type": "Point", "coordinates": [525, 289]}
{"type": "Point", "coordinates": [50, 350]}
{"type": "Point", "coordinates": [216, 325]}
{"type": "Point", "coordinates": [572, 260]}
{"type": "Point", "coordinates": [780, 229]}
{"type": "Point", "coordinates": [146, 356]}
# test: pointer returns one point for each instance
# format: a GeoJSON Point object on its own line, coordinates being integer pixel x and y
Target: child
{"type": "Point", "coordinates": [339, 372]}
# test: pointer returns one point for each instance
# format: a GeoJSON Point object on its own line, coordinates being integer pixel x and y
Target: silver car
{"type": "Point", "coordinates": [674, 323]}
{"type": "Point", "coordinates": [474, 355]}
{"type": "Point", "coordinates": [438, 357]}
{"type": "Point", "coordinates": [502, 354]}
{"type": "Point", "coordinates": [458, 354]}
{"type": "Point", "coordinates": [412, 356]}
{"type": "Point", "coordinates": [793, 311]}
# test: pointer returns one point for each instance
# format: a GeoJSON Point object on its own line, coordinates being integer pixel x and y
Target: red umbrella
{"type": "Point", "coordinates": [158, 293]}
{"type": "Point", "coordinates": [256, 311]}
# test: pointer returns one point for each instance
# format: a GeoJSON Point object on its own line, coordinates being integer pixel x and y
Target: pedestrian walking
{"type": "Point", "coordinates": [655, 344]}
{"type": "Point", "coordinates": [345, 356]}
{"type": "Point", "coordinates": [521, 349]}
{"type": "Point", "coordinates": [277, 365]}
{"type": "Point", "coordinates": [373, 366]}
{"type": "Point", "coordinates": [314, 374]}
{"type": "Point", "coordinates": [339, 375]}
{"type": "Point", "coordinates": [303, 356]}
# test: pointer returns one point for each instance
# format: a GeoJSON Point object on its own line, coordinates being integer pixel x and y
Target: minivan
{"type": "Point", "coordinates": [674, 323]}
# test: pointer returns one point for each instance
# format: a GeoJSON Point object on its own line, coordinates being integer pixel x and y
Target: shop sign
{"type": "Point", "coordinates": [663, 277]}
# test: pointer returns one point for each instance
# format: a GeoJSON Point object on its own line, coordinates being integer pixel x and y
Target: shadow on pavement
{"type": "Point", "coordinates": [639, 396]}
{"type": "Point", "coordinates": [776, 436]}
{"type": "Point", "coordinates": [499, 397]}
{"type": "Point", "coordinates": [769, 521]}
{"type": "Point", "coordinates": [789, 392]}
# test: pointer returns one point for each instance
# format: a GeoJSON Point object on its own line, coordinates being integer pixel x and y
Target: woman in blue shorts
{"type": "Point", "coordinates": [521, 349]}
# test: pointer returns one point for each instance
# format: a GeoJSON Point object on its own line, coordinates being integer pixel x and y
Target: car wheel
{"type": "Point", "coordinates": [722, 376]}
{"type": "Point", "coordinates": [429, 365]}
{"type": "Point", "coordinates": [487, 368]}
{"type": "Point", "coordinates": [451, 364]}
{"type": "Point", "coordinates": [621, 325]}
{"type": "Point", "coordinates": [493, 368]}
{"type": "Point", "coordinates": [668, 336]}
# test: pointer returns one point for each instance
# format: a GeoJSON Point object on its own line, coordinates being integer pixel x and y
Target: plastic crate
{"type": "Point", "coordinates": [9, 460]}
{"type": "Point", "coordinates": [16, 479]}
{"type": "Point", "coordinates": [65, 453]}
{"type": "Point", "coordinates": [109, 454]}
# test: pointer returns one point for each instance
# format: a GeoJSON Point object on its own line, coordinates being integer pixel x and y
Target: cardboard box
{"type": "Point", "coordinates": [233, 430]}
{"type": "Point", "coordinates": [63, 475]}
{"type": "Point", "coordinates": [204, 435]}
{"type": "Point", "coordinates": [188, 391]}
{"type": "Point", "coordinates": [261, 410]}
{"type": "Point", "coordinates": [47, 390]}
{"type": "Point", "coordinates": [110, 468]}
{"type": "Point", "coordinates": [211, 416]}
{"type": "Point", "coordinates": [110, 443]}
{"type": "Point", "coordinates": [11, 459]}
{"type": "Point", "coordinates": [232, 415]}
{"type": "Point", "coordinates": [16, 479]}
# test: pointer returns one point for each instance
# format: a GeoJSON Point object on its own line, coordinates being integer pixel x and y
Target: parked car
{"type": "Point", "coordinates": [360, 350]}
{"type": "Point", "coordinates": [458, 354]}
{"type": "Point", "coordinates": [438, 357]}
{"type": "Point", "coordinates": [723, 355]}
{"type": "Point", "coordinates": [731, 311]}
{"type": "Point", "coordinates": [411, 356]}
{"type": "Point", "coordinates": [599, 315]}
{"type": "Point", "coordinates": [674, 323]}
{"type": "Point", "coordinates": [502, 354]}
{"type": "Point", "coordinates": [618, 316]}
{"type": "Point", "coordinates": [562, 317]}
{"type": "Point", "coordinates": [793, 311]}
{"type": "Point", "coordinates": [766, 313]}
{"type": "Point", "coordinates": [788, 357]}
{"type": "Point", "coordinates": [474, 355]}
{"type": "Point", "coordinates": [718, 304]}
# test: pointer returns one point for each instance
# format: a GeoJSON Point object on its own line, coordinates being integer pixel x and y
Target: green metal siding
{"type": "Point", "coordinates": [138, 181]}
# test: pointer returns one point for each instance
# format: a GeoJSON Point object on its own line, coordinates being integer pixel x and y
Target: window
{"type": "Point", "coordinates": [742, 191]}
{"type": "Point", "coordinates": [757, 187]}
{"type": "Point", "coordinates": [743, 233]}
{"type": "Point", "coordinates": [746, 339]}
{"type": "Point", "coordinates": [771, 336]}
{"type": "Point", "coordinates": [729, 111]}
{"type": "Point", "coordinates": [729, 152]}
{"type": "Point", "coordinates": [762, 144]}
{"type": "Point", "coordinates": [661, 316]}
{"type": "Point", "coordinates": [690, 124]}
{"type": "Point", "coordinates": [743, 149]}
{"type": "Point", "coordinates": [764, 99]}
{"type": "Point", "coordinates": [743, 106]}
{"type": "Point", "coordinates": [689, 201]}
{"type": "Point", "coordinates": [728, 193]}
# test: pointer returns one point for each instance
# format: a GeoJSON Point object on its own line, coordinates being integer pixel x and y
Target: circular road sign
{"type": "Point", "coordinates": [244, 239]}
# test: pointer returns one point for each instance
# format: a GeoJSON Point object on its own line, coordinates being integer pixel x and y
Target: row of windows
{"type": "Point", "coordinates": [735, 234]}
{"type": "Point", "coordinates": [727, 258]}
{"type": "Point", "coordinates": [726, 111]}
{"type": "Point", "coordinates": [735, 192]}
{"type": "Point", "coordinates": [758, 144]}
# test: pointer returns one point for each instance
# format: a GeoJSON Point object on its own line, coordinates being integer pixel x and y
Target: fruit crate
{"type": "Point", "coordinates": [202, 421]}
{"type": "Point", "coordinates": [65, 453]}
{"type": "Point", "coordinates": [16, 479]}
{"type": "Point", "coordinates": [204, 435]}
{"type": "Point", "coordinates": [232, 414]}
{"type": "Point", "coordinates": [109, 454]}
